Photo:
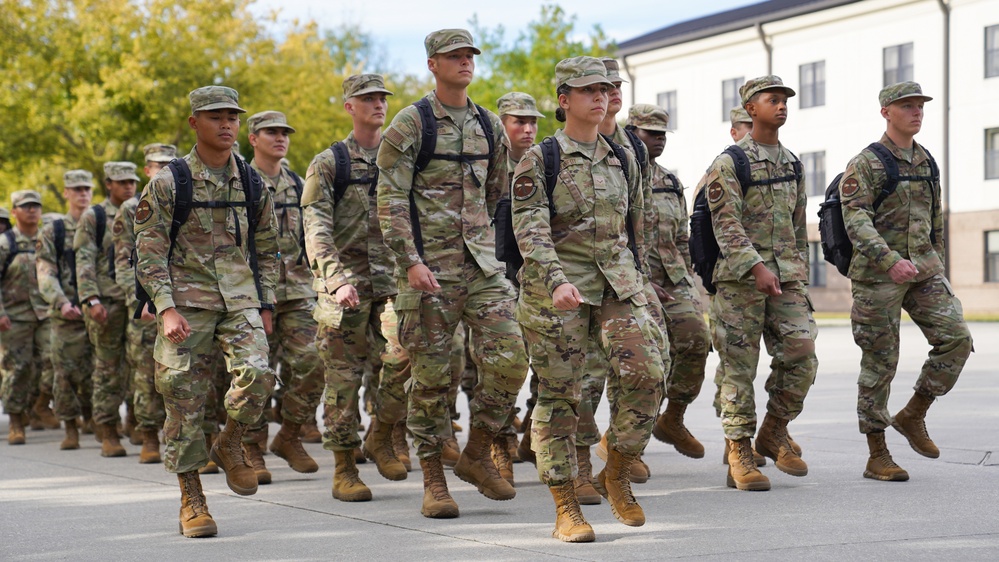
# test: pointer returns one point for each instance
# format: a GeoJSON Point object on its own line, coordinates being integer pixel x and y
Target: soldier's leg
{"type": "Point", "coordinates": [789, 316]}
{"type": "Point", "coordinates": [343, 348]}
{"type": "Point", "coordinates": [739, 311]}
{"type": "Point", "coordinates": [593, 380]}
{"type": "Point", "coordinates": [110, 370]}
{"type": "Point", "coordinates": [933, 306]}
{"type": "Point", "coordinates": [395, 371]}
{"type": "Point", "coordinates": [45, 375]}
{"type": "Point", "coordinates": [456, 363]}
{"type": "Point", "coordinates": [17, 349]}
{"type": "Point", "coordinates": [875, 317]}
{"type": "Point", "coordinates": [148, 403]}
{"type": "Point", "coordinates": [470, 373]}
{"type": "Point", "coordinates": [72, 364]}
{"type": "Point", "coordinates": [240, 336]}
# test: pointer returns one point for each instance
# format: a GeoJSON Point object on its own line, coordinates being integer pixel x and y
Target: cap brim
{"type": "Point", "coordinates": [272, 125]}
{"type": "Point", "coordinates": [23, 203]}
{"type": "Point", "coordinates": [617, 79]}
{"type": "Point", "coordinates": [125, 178]}
{"type": "Point", "coordinates": [449, 48]}
{"type": "Point", "coordinates": [787, 91]}
{"type": "Point", "coordinates": [217, 106]}
{"type": "Point", "coordinates": [657, 128]}
{"type": "Point", "coordinates": [79, 184]}
{"type": "Point", "coordinates": [920, 96]}
{"type": "Point", "coordinates": [588, 81]}
{"type": "Point", "coordinates": [524, 113]}
{"type": "Point", "coordinates": [160, 159]}
{"type": "Point", "coordinates": [372, 91]}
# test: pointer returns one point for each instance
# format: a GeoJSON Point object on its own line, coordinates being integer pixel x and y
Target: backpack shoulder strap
{"type": "Point", "coordinates": [619, 152]}
{"type": "Point", "coordinates": [741, 162]}
{"type": "Point", "coordinates": [102, 222]}
{"type": "Point", "coordinates": [252, 191]}
{"type": "Point", "coordinates": [799, 169]}
{"type": "Point", "coordinates": [551, 157]}
{"type": "Point", "coordinates": [639, 147]}
{"type": "Point", "coordinates": [887, 160]}
{"type": "Point", "coordinates": [428, 139]}
{"type": "Point", "coordinates": [487, 128]}
{"type": "Point", "coordinates": [59, 240]}
{"type": "Point", "coordinates": [12, 243]}
{"type": "Point", "coordinates": [341, 179]}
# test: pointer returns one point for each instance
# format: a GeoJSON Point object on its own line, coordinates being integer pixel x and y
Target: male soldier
{"type": "Point", "coordinates": [212, 281]}
{"type": "Point", "coordinates": [55, 265]}
{"type": "Point", "coordinates": [294, 328]}
{"type": "Point", "coordinates": [24, 319]}
{"type": "Point", "coordinates": [436, 220]}
{"type": "Point", "coordinates": [104, 302]}
{"type": "Point", "coordinates": [760, 278]}
{"type": "Point", "coordinates": [4, 220]}
{"type": "Point", "coordinates": [897, 263]}
{"type": "Point", "coordinates": [140, 333]}
{"type": "Point", "coordinates": [741, 122]}
{"type": "Point", "coordinates": [670, 269]}
{"type": "Point", "coordinates": [353, 275]}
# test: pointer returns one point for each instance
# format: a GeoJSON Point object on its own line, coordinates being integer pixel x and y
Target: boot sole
{"type": "Point", "coordinates": [782, 467]}
{"type": "Point", "coordinates": [883, 478]}
{"type": "Point", "coordinates": [72, 447]}
{"type": "Point", "coordinates": [752, 487]}
{"type": "Point", "coordinates": [151, 460]}
{"type": "Point", "coordinates": [661, 436]}
{"type": "Point", "coordinates": [114, 454]}
{"type": "Point", "coordinates": [927, 454]}
{"type": "Point", "coordinates": [199, 532]}
{"type": "Point", "coordinates": [485, 491]}
{"type": "Point", "coordinates": [444, 514]}
{"type": "Point", "coordinates": [603, 492]}
{"type": "Point", "coordinates": [353, 498]}
{"type": "Point", "coordinates": [579, 537]}
{"type": "Point", "coordinates": [228, 481]}
{"type": "Point", "coordinates": [307, 470]}
{"type": "Point", "coordinates": [386, 475]}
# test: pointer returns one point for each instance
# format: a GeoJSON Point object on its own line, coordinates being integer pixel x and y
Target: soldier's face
{"type": "Point", "coordinates": [769, 107]}
{"type": "Point", "coordinates": [455, 69]}
{"type": "Point", "coordinates": [216, 129]}
{"type": "Point", "coordinates": [151, 168]}
{"type": "Point", "coordinates": [585, 104]}
{"type": "Point", "coordinates": [78, 197]}
{"type": "Point", "coordinates": [655, 141]}
{"type": "Point", "coordinates": [740, 130]}
{"type": "Point", "coordinates": [368, 110]}
{"type": "Point", "coordinates": [521, 131]}
{"type": "Point", "coordinates": [271, 142]}
{"type": "Point", "coordinates": [905, 116]}
{"type": "Point", "coordinates": [120, 190]}
{"type": "Point", "coordinates": [28, 215]}
{"type": "Point", "coordinates": [614, 99]}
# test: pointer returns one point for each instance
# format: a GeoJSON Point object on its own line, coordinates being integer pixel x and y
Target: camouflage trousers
{"type": "Point", "coordinates": [689, 343]}
{"type": "Point", "coordinates": [558, 342]}
{"type": "Point", "coordinates": [43, 380]}
{"type": "Point", "coordinates": [877, 309]}
{"type": "Point", "coordinates": [345, 340]}
{"type": "Point", "coordinates": [184, 373]}
{"type": "Point", "coordinates": [73, 366]}
{"type": "Point", "coordinates": [427, 324]}
{"type": "Point", "coordinates": [25, 351]}
{"type": "Point", "coordinates": [219, 381]}
{"type": "Point", "coordinates": [111, 373]}
{"type": "Point", "coordinates": [464, 373]}
{"type": "Point", "coordinates": [148, 404]}
{"type": "Point", "coordinates": [743, 315]}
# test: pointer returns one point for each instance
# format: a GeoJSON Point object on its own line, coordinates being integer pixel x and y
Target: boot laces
{"type": "Point", "coordinates": [624, 478]}
{"type": "Point", "coordinates": [501, 455]}
{"type": "Point", "coordinates": [569, 504]}
{"type": "Point", "coordinates": [436, 483]}
{"type": "Point", "coordinates": [585, 468]}
{"type": "Point", "coordinates": [254, 457]}
{"type": "Point", "coordinates": [195, 497]}
{"type": "Point", "coordinates": [746, 456]}
{"type": "Point", "coordinates": [884, 458]}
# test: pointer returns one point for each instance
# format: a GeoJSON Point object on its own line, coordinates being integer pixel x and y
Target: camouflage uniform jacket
{"type": "Point", "coordinates": [208, 270]}
{"type": "Point", "coordinates": [19, 295]}
{"type": "Point", "coordinates": [294, 279]}
{"type": "Point", "coordinates": [123, 235]}
{"type": "Point", "coordinates": [669, 249]}
{"type": "Point", "coordinates": [344, 241]}
{"type": "Point", "coordinates": [901, 227]}
{"type": "Point", "coordinates": [54, 290]}
{"type": "Point", "coordinates": [455, 201]}
{"type": "Point", "coordinates": [586, 242]}
{"type": "Point", "coordinates": [621, 137]}
{"type": "Point", "coordinates": [767, 226]}
{"type": "Point", "coordinates": [93, 268]}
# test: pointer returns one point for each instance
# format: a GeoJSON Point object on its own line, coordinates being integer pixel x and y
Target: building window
{"type": "Point", "coordinates": [667, 101]}
{"type": "Point", "coordinates": [992, 51]}
{"type": "Point", "coordinates": [991, 154]}
{"type": "Point", "coordinates": [817, 269]}
{"type": "Point", "coordinates": [992, 256]}
{"type": "Point", "coordinates": [815, 172]}
{"type": "Point", "coordinates": [898, 64]}
{"type": "Point", "coordinates": [730, 96]}
{"type": "Point", "coordinates": [812, 78]}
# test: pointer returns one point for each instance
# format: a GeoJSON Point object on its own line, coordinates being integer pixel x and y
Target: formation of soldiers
{"type": "Point", "coordinates": [380, 270]}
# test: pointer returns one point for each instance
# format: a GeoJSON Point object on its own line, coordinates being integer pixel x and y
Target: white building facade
{"type": "Point", "coordinates": [837, 55]}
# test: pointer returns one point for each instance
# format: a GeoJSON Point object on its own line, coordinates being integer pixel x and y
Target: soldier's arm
{"type": "Point", "coordinates": [726, 203]}
{"type": "Point", "coordinates": [799, 221]}
{"type": "Point", "coordinates": [123, 237]}
{"type": "Point", "coordinates": [86, 256]}
{"type": "Point", "coordinates": [938, 225]}
{"type": "Point", "coordinates": [532, 220]}
{"type": "Point", "coordinates": [857, 190]}
{"type": "Point", "coordinates": [49, 284]}
{"type": "Point", "coordinates": [318, 215]}
{"type": "Point", "coordinates": [152, 241]}
{"type": "Point", "coordinates": [396, 158]}
{"type": "Point", "coordinates": [268, 262]}
{"type": "Point", "coordinates": [498, 182]}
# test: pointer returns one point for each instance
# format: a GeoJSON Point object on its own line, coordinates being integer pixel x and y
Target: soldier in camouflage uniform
{"type": "Point", "coordinates": [672, 275]}
{"type": "Point", "coordinates": [450, 272]}
{"type": "Point", "coordinates": [24, 320]}
{"type": "Point", "coordinates": [353, 267]}
{"type": "Point", "coordinates": [140, 333]}
{"type": "Point", "coordinates": [294, 327]}
{"type": "Point", "coordinates": [4, 220]}
{"type": "Point", "coordinates": [897, 263]}
{"type": "Point", "coordinates": [205, 290]}
{"type": "Point", "coordinates": [760, 277]}
{"type": "Point", "coordinates": [581, 288]}
{"type": "Point", "coordinates": [73, 364]}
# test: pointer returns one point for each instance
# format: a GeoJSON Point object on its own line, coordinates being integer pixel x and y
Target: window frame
{"type": "Point", "coordinates": [900, 51]}
{"type": "Point", "coordinates": [818, 272]}
{"type": "Point", "coordinates": [991, 153]}
{"type": "Point", "coordinates": [663, 100]}
{"type": "Point", "coordinates": [816, 186]}
{"type": "Point", "coordinates": [813, 92]}
{"type": "Point", "coordinates": [991, 51]}
{"type": "Point", "coordinates": [735, 100]}
{"type": "Point", "coordinates": [991, 254]}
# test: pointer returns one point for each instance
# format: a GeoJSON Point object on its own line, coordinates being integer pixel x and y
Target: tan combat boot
{"type": "Point", "coordinates": [450, 452]}
{"type": "Point", "coordinates": [759, 459]}
{"type": "Point", "coordinates": [437, 501]}
{"type": "Point", "coordinates": [255, 456]}
{"type": "Point", "coordinates": [400, 446]}
{"type": "Point", "coordinates": [33, 421]}
{"type": "Point", "coordinates": [742, 471]}
{"type": "Point", "coordinates": [669, 428]}
{"type": "Point", "coordinates": [524, 450]}
{"type": "Point", "coordinates": [72, 440]}
{"type": "Point", "coordinates": [150, 453]}
{"type": "Point", "coordinates": [586, 494]}
{"type": "Point", "coordinates": [44, 412]}
{"type": "Point", "coordinates": [880, 466]}
{"type": "Point", "coordinates": [347, 484]}
{"type": "Point", "coordinates": [287, 444]}
{"type": "Point", "coordinates": [211, 467]}
{"type": "Point", "coordinates": [794, 446]}
{"type": "Point", "coordinates": [476, 467]}
{"type": "Point", "coordinates": [614, 483]}
{"type": "Point", "coordinates": [131, 429]}
{"type": "Point", "coordinates": [378, 448]}
{"type": "Point", "coordinates": [910, 421]}
{"type": "Point", "coordinates": [195, 521]}
{"type": "Point", "coordinates": [640, 472]}
{"type": "Point", "coordinates": [227, 453]}
{"type": "Point", "coordinates": [771, 441]}
{"type": "Point", "coordinates": [15, 433]}
{"type": "Point", "coordinates": [310, 432]}
{"type": "Point", "coordinates": [501, 458]}
{"type": "Point", "coordinates": [110, 445]}
{"type": "Point", "coordinates": [570, 526]}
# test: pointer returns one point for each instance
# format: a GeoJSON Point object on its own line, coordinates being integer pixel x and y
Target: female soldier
{"type": "Point", "coordinates": [580, 287]}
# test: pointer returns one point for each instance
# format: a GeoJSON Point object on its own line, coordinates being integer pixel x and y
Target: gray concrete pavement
{"type": "Point", "coordinates": [75, 505]}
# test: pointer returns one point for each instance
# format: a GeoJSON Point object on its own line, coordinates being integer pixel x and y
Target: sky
{"type": "Point", "coordinates": [399, 26]}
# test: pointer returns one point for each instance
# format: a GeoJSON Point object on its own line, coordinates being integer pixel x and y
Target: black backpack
{"type": "Point", "coordinates": [102, 222]}
{"type": "Point", "coordinates": [14, 250]}
{"type": "Point", "coordinates": [837, 248]}
{"type": "Point", "coordinates": [704, 250]}
{"type": "Point", "coordinates": [296, 183]}
{"type": "Point", "coordinates": [184, 202]}
{"type": "Point", "coordinates": [59, 239]}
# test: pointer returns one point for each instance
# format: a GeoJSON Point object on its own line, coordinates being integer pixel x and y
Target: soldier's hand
{"type": "Point", "coordinates": [346, 296]}
{"type": "Point", "coordinates": [175, 326]}
{"type": "Point", "coordinates": [98, 313]}
{"type": "Point", "coordinates": [566, 297]}
{"type": "Point", "coordinates": [4, 323]}
{"type": "Point", "coordinates": [766, 281]}
{"type": "Point", "coordinates": [662, 294]}
{"type": "Point", "coordinates": [902, 271]}
{"type": "Point", "coordinates": [267, 317]}
{"type": "Point", "coordinates": [146, 314]}
{"type": "Point", "coordinates": [69, 311]}
{"type": "Point", "coordinates": [422, 279]}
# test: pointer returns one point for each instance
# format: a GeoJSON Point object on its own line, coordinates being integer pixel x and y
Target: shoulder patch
{"type": "Point", "coordinates": [118, 228]}
{"type": "Point", "coordinates": [850, 187]}
{"type": "Point", "coordinates": [715, 192]}
{"type": "Point", "coordinates": [143, 212]}
{"type": "Point", "coordinates": [524, 188]}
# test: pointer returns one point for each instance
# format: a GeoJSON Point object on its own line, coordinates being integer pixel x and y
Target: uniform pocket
{"type": "Point", "coordinates": [412, 332]}
{"type": "Point", "coordinates": [172, 356]}
{"type": "Point", "coordinates": [537, 313]}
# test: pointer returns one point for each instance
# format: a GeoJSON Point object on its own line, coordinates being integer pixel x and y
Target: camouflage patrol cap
{"type": "Point", "coordinates": [4, 214]}
{"type": "Point", "coordinates": [581, 71]}
{"type": "Point", "coordinates": [159, 152]}
{"type": "Point", "coordinates": [120, 171]}
{"type": "Point", "coordinates": [447, 40]}
{"type": "Point", "coordinates": [25, 197]}
{"type": "Point", "coordinates": [902, 90]}
{"type": "Point", "coordinates": [649, 117]}
{"type": "Point", "coordinates": [613, 70]}
{"type": "Point", "coordinates": [360, 84]}
{"type": "Point", "coordinates": [769, 82]}
{"type": "Point", "coordinates": [266, 119]}
{"type": "Point", "coordinates": [208, 98]}
{"type": "Point", "coordinates": [739, 115]}
{"type": "Point", "coordinates": [78, 178]}
{"type": "Point", "coordinates": [518, 104]}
